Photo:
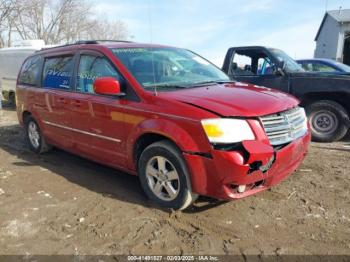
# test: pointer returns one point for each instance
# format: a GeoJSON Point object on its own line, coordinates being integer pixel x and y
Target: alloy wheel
{"type": "Point", "coordinates": [162, 178]}
{"type": "Point", "coordinates": [33, 134]}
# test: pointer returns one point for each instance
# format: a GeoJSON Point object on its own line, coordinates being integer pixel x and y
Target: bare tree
{"type": "Point", "coordinates": [6, 8]}
{"type": "Point", "coordinates": [105, 29]}
{"type": "Point", "coordinates": [62, 21]}
{"type": "Point", "coordinates": [44, 19]}
{"type": "Point", "coordinates": [76, 24]}
{"type": "Point", "coordinates": [55, 21]}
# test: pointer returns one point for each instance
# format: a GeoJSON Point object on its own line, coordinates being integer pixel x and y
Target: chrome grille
{"type": "Point", "coordinates": [284, 127]}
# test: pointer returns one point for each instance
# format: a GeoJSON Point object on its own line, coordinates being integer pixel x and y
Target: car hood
{"type": "Point", "coordinates": [234, 99]}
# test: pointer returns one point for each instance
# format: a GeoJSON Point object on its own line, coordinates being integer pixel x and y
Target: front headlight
{"type": "Point", "coordinates": [227, 130]}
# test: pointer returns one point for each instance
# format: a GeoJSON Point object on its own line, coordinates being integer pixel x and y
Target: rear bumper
{"type": "Point", "coordinates": [220, 175]}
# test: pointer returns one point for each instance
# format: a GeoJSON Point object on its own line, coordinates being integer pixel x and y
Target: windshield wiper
{"type": "Point", "coordinates": [190, 85]}
{"type": "Point", "coordinates": [212, 82]}
{"type": "Point", "coordinates": [166, 86]}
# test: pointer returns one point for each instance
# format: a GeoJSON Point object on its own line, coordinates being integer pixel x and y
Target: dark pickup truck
{"type": "Point", "coordinates": [326, 98]}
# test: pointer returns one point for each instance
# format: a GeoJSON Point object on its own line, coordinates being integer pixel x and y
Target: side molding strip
{"type": "Point", "coordinates": [83, 132]}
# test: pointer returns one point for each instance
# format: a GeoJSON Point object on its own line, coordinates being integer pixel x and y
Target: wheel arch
{"type": "Point", "coordinates": [144, 141]}
{"type": "Point", "coordinates": [154, 130]}
{"type": "Point", "coordinates": [24, 115]}
{"type": "Point", "coordinates": [341, 98]}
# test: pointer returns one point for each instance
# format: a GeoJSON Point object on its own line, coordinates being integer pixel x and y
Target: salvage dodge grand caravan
{"type": "Point", "coordinates": [164, 114]}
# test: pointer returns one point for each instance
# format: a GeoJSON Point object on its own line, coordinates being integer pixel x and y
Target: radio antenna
{"type": "Point", "coordinates": [152, 51]}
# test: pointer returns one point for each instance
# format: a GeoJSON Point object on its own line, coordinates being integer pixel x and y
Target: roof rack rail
{"type": "Point", "coordinates": [85, 42]}
{"type": "Point", "coordinates": [55, 46]}
{"type": "Point", "coordinates": [91, 42]}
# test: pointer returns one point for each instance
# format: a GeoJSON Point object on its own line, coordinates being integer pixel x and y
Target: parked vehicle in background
{"type": "Point", "coordinates": [324, 66]}
{"type": "Point", "coordinates": [163, 113]}
{"type": "Point", "coordinates": [11, 59]}
{"type": "Point", "coordinates": [325, 97]}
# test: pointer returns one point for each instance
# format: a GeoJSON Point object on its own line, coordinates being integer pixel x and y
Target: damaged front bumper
{"type": "Point", "coordinates": [256, 166]}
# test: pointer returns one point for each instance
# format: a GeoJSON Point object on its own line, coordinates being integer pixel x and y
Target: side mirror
{"type": "Point", "coordinates": [107, 86]}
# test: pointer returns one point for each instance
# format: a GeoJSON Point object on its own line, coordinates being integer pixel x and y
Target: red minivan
{"type": "Point", "coordinates": [164, 114]}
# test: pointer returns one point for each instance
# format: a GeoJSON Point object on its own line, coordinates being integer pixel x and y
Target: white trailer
{"type": "Point", "coordinates": [11, 60]}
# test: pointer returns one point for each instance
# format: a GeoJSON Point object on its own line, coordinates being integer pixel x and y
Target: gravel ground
{"type": "Point", "coordinates": [59, 203]}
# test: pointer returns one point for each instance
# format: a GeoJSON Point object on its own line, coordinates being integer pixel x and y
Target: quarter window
{"type": "Point", "coordinates": [30, 71]}
{"type": "Point", "coordinates": [57, 72]}
{"type": "Point", "coordinates": [92, 67]}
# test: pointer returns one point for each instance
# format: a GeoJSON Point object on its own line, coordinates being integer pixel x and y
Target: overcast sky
{"type": "Point", "coordinates": [210, 27]}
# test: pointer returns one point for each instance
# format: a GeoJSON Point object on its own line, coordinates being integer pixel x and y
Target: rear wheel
{"type": "Point", "coordinates": [34, 136]}
{"type": "Point", "coordinates": [327, 120]}
{"type": "Point", "coordinates": [164, 176]}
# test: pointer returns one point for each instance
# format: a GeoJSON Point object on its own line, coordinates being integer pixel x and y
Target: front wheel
{"type": "Point", "coordinates": [327, 120]}
{"type": "Point", "coordinates": [164, 176]}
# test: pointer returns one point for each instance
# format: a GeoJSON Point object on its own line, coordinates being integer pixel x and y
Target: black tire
{"type": "Point", "coordinates": [328, 121]}
{"type": "Point", "coordinates": [166, 150]}
{"type": "Point", "coordinates": [41, 146]}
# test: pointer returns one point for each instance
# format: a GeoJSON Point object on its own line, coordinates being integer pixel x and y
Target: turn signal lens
{"type": "Point", "coordinates": [212, 130]}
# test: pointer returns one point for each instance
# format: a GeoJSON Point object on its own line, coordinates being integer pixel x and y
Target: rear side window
{"type": "Point", "coordinates": [30, 71]}
{"type": "Point", "coordinates": [57, 72]}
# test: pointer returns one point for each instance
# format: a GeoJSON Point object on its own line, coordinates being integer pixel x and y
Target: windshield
{"type": "Point", "coordinates": [343, 67]}
{"type": "Point", "coordinates": [168, 68]}
{"type": "Point", "coordinates": [290, 64]}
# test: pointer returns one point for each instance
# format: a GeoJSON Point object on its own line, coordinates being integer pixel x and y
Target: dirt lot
{"type": "Point", "coordinates": [59, 203]}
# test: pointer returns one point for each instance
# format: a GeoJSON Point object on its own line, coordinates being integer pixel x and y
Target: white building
{"type": "Point", "coordinates": [333, 36]}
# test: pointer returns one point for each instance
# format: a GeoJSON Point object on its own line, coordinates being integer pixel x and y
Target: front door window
{"type": "Point", "coordinates": [90, 68]}
{"type": "Point", "coordinates": [247, 63]}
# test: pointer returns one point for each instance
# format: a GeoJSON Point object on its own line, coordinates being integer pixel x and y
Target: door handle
{"type": "Point", "coordinates": [76, 103]}
{"type": "Point", "coordinates": [62, 100]}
